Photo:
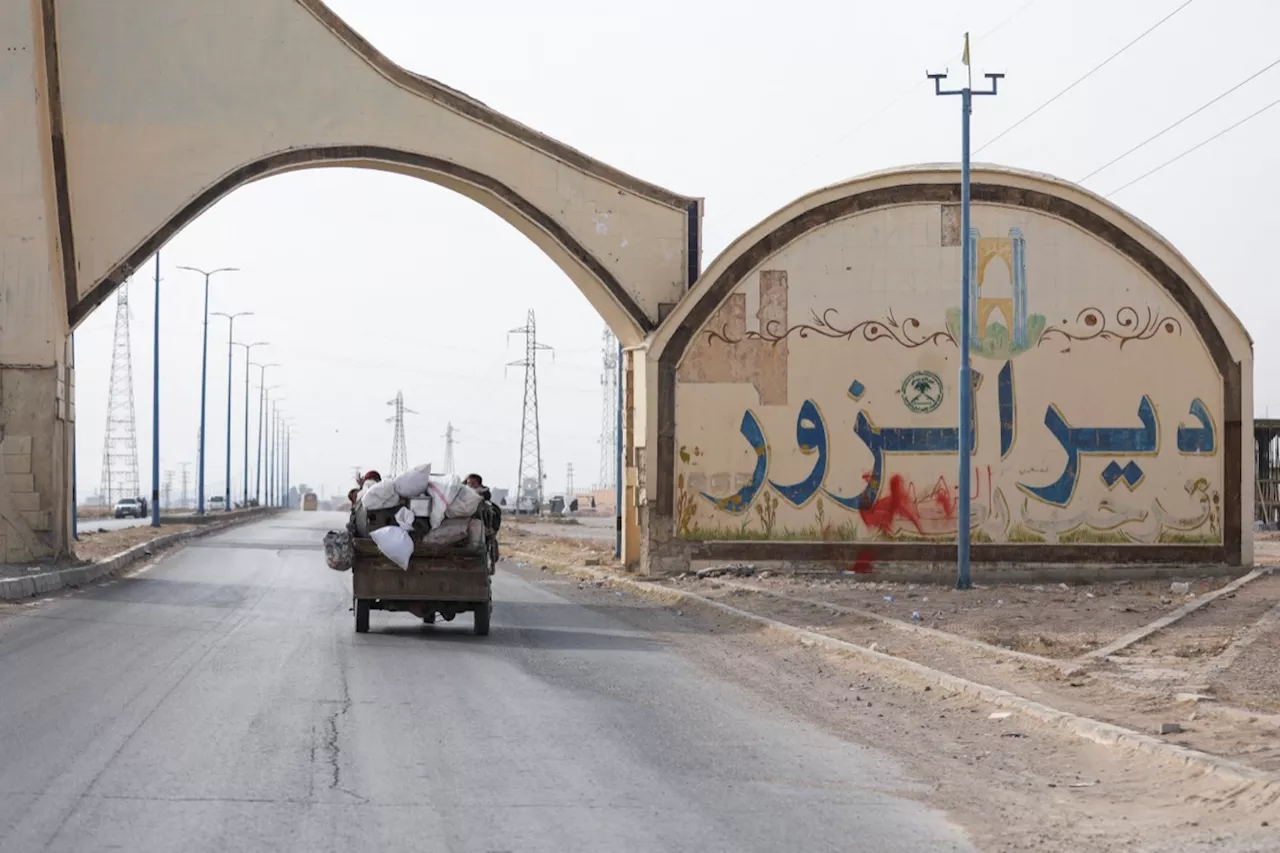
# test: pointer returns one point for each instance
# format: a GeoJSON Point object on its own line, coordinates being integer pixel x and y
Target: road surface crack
{"type": "Point", "coordinates": [332, 737]}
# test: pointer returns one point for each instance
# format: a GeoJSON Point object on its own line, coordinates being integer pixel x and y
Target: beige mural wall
{"type": "Point", "coordinates": [820, 400]}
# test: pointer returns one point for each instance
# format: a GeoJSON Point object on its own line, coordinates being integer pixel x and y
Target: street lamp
{"type": "Point", "coordinates": [204, 374]}
{"type": "Point", "coordinates": [231, 329]}
{"type": "Point", "coordinates": [155, 406]}
{"type": "Point", "coordinates": [968, 320]}
{"type": "Point", "coordinates": [262, 420]}
{"type": "Point", "coordinates": [273, 467]}
{"type": "Point", "coordinates": [248, 348]}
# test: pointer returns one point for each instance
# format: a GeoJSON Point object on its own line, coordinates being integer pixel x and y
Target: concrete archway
{"type": "Point", "coordinates": [145, 145]}
{"type": "Point", "coordinates": [137, 116]}
{"type": "Point", "coordinates": [841, 283]}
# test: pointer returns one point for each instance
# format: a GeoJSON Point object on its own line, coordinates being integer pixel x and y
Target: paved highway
{"type": "Point", "coordinates": [221, 701]}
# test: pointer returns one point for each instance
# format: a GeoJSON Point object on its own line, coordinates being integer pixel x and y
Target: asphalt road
{"type": "Point", "coordinates": [221, 701]}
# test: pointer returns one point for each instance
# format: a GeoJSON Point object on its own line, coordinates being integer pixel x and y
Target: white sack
{"type": "Point", "coordinates": [394, 543]}
{"type": "Point", "coordinates": [381, 496]}
{"type": "Point", "coordinates": [404, 518]}
{"type": "Point", "coordinates": [413, 483]}
{"type": "Point", "coordinates": [442, 493]}
{"type": "Point", "coordinates": [464, 504]}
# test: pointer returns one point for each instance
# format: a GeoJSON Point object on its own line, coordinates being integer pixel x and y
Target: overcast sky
{"type": "Point", "coordinates": [366, 284]}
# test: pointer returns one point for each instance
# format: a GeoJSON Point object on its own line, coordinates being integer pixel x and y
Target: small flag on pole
{"type": "Point", "coordinates": [965, 56]}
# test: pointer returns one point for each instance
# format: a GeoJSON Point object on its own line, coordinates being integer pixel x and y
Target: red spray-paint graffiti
{"type": "Point", "coordinates": [902, 507]}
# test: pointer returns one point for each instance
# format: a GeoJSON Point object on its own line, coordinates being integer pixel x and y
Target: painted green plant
{"type": "Point", "coordinates": [995, 341]}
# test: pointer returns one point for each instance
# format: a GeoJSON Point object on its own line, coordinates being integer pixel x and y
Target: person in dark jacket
{"type": "Point", "coordinates": [489, 510]}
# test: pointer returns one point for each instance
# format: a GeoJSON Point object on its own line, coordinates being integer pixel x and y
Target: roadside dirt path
{"type": "Point", "coordinates": [1014, 785]}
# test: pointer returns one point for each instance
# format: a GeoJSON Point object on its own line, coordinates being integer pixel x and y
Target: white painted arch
{"type": "Point", "coordinates": [163, 109]}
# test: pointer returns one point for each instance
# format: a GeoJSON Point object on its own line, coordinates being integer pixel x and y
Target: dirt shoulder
{"type": "Point", "coordinates": [1015, 785]}
{"type": "Point", "coordinates": [94, 545]}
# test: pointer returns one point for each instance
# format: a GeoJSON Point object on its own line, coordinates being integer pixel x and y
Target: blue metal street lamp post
{"type": "Point", "coordinates": [965, 432]}
{"type": "Point", "coordinates": [204, 375]}
{"type": "Point", "coordinates": [262, 421]}
{"type": "Point", "coordinates": [155, 408]}
{"type": "Point", "coordinates": [231, 330]}
{"type": "Point", "coordinates": [248, 350]}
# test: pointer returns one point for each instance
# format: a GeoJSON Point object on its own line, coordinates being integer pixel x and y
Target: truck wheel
{"type": "Point", "coordinates": [482, 619]}
{"type": "Point", "coordinates": [362, 616]}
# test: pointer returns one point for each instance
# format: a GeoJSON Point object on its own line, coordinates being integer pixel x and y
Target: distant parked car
{"type": "Point", "coordinates": [217, 502]}
{"type": "Point", "coordinates": [129, 508]}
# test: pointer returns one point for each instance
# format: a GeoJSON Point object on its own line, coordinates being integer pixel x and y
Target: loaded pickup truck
{"type": "Point", "coordinates": [446, 575]}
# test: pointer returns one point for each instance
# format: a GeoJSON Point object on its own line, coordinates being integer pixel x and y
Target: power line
{"type": "Point", "coordinates": [530, 476]}
{"type": "Point", "coordinates": [399, 453]}
{"type": "Point", "coordinates": [1189, 115]}
{"type": "Point", "coordinates": [1194, 148]}
{"type": "Point", "coordinates": [906, 93]}
{"type": "Point", "coordinates": [120, 446]}
{"type": "Point", "coordinates": [1086, 76]}
{"type": "Point", "coordinates": [449, 441]}
{"type": "Point", "coordinates": [609, 413]}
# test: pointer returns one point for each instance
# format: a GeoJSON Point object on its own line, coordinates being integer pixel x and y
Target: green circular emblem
{"type": "Point", "coordinates": [922, 392]}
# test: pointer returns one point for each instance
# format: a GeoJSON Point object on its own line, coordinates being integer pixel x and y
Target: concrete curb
{"type": "Point", "coordinates": [17, 589]}
{"type": "Point", "coordinates": [1096, 731]}
{"type": "Point", "coordinates": [899, 625]}
{"type": "Point", "coordinates": [1140, 634]}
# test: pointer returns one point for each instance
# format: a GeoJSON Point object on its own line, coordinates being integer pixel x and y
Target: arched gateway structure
{"type": "Point", "coordinates": [806, 399]}
{"type": "Point", "coordinates": [797, 404]}
{"type": "Point", "coordinates": [125, 120]}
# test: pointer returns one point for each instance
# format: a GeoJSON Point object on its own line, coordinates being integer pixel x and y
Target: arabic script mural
{"type": "Point", "coordinates": [826, 401]}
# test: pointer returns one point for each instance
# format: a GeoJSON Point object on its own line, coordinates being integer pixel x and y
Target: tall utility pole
{"type": "Point", "coordinates": [529, 478]}
{"type": "Point", "coordinates": [609, 412]}
{"type": "Point", "coordinates": [155, 407]}
{"type": "Point", "coordinates": [248, 351]}
{"type": "Point", "coordinates": [262, 429]}
{"type": "Point", "coordinates": [968, 300]}
{"type": "Point", "coordinates": [199, 453]}
{"type": "Point", "coordinates": [449, 441]}
{"type": "Point", "coordinates": [288, 471]}
{"type": "Point", "coordinates": [204, 377]}
{"type": "Point", "coordinates": [120, 450]}
{"type": "Point", "coordinates": [399, 453]}
{"type": "Point", "coordinates": [231, 339]}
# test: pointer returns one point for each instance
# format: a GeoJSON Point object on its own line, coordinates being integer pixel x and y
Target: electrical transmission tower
{"type": "Point", "coordinates": [449, 442]}
{"type": "Point", "coordinates": [185, 479]}
{"type": "Point", "coordinates": [609, 414]}
{"type": "Point", "coordinates": [168, 491]}
{"type": "Point", "coordinates": [568, 483]}
{"type": "Point", "coordinates": [529, 478]}
{"type": "Point", "coordinates": [120, 450]}
{"type": "Point", "coordinates": [399, 453]}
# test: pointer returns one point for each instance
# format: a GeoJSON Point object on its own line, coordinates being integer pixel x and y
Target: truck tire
{"type": "Point", "coordinates": [362, 615]}
{"type": "Point", "coordinates": [482, 619]}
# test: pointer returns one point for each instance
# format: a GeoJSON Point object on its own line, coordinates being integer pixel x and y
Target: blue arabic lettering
{"type": "Point", "coordinates": [811, 437]}
{"type": "Point", "coordinates": [1201, 439]}
{"type": "Point", "coordinates": [1088, 441]}
{"type": "Point", "coordinates": [740, 501]}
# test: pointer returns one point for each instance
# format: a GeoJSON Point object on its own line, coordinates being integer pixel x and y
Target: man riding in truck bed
{"type": "Point", "coordinates": [489, 511]}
